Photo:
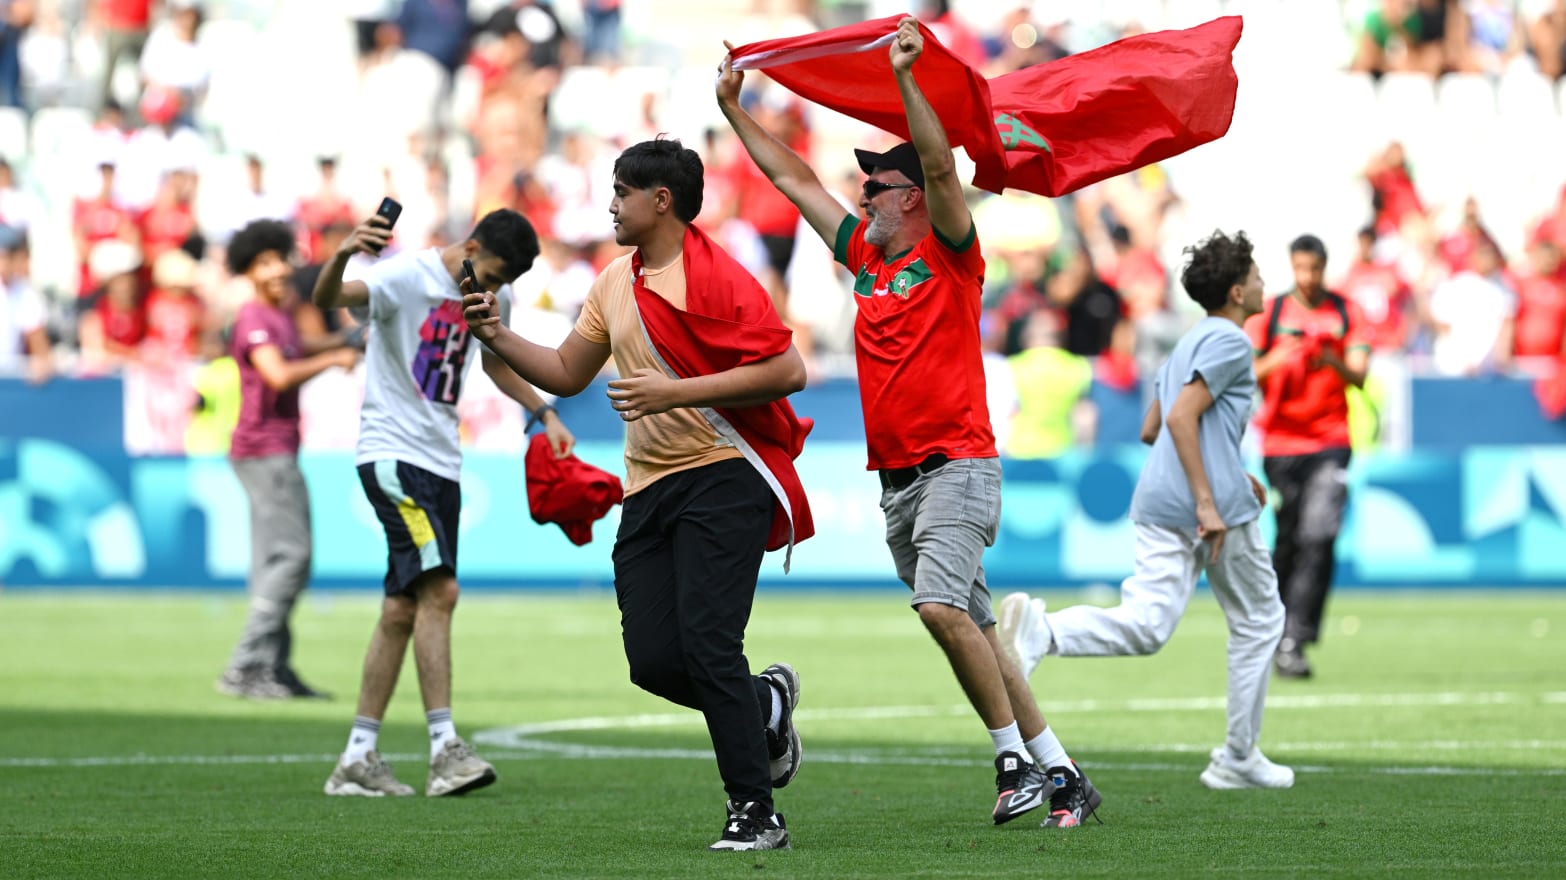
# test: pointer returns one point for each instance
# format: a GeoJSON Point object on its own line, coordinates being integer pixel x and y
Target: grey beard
{"type": "Point", "coordinates": [881, 229]}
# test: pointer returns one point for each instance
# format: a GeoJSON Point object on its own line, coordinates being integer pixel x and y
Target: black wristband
{"type": "Point", "coordinates": [537, 416]}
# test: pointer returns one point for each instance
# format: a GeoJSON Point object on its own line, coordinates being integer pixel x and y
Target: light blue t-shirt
{"type": "Point", "coordinates": [1218, 351]}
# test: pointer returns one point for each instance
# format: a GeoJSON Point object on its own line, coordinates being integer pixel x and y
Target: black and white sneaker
{"type": "Point", "coordinates": [750, 827]}
{"type": "Point", "coordinates": [1074, 799]}
{"type": "Point", "coordinates": [783, 752]}
{"type": "Point", "coordinates": [1020, 786]}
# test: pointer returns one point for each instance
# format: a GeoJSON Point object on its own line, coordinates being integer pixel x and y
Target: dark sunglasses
{"type": "Point", "coordinates": [874, 188]}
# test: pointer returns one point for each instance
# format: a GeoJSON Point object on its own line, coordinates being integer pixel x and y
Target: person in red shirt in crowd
{"type": "Point", "coordinates": [170, 220]}
{"type": "Point", "coordinates": [1382, 295]}
{"type": "Point", "coordinates": [1540, 325]}
{"type": "Point", "coordinates": [1310, 346]}
{"type": "Point", "coordinates": [125, 26]}
{"type": "Point", "coordinates": [1457, 248]}
{"type": "Point", "coordinates": [918, 282]}
{"type": "Point", "coordinates": [1137, 273]}
{"type": "Point", "coordinates": [324, 207]}
{"type": "Point", "coordinates": [1392, 192]}
{"type": "Point", "coordinates": [98, 219]}
{"type": "Point", "coordinates": [113, 322]}
{"type": "Point", "coordinates": [176, 316]}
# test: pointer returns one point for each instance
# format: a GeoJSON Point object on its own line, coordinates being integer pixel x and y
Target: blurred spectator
{"type": "Point", "coordinates": [1092, 308]}
{"type": "Point", "coordinates": [331, 238]}
{"type": "Point", "coordinates": [16, 16]}
{"type": "Point", "coordinates": [98, 219]}
{"type": "Point", "coordinates": [176, 316]}
{"type": "Point", "coordinates": [326, 205]}
{"type": "Point", "coordinates": [173, 59]}
{"type": "Point", "coordinates": [125, 24]}
{"type": "Point", "coordinates": [437, 28]}
{"type": "Point", "coordinates": [766, 209]}
{"type": "Point", "coordinates": [1136, 272]}
{"type": "Point", "coordinates": [400, 94]}
{"type": "Point", "coordinates": [1489, 36]}
{"type": "Point", "coordinates": [1381, 294]}
{"type": "Point", "coordinates": [951, 30]}
{"type": "Point", "coordinates": [1022, 39]}
{"type": "Point", "coordinates": [256, 201]}
{"type": "Point", "coordinates": [1473, 316]}
{"type": "Point", "coordinates": [1541, 303]}
{"type": "Point", "coordinates": [1405, 35]}
{"type": "Point", "coordinates": [549, 47]}
{"type": "Point", "coordinates": [1393, 196]}
{"type": "Point", "coordinates": [18, 208]}
{"type": "Point", "coordinates": [164, 142]}
{"type": "Point", "coordinates": [1053, 410]}
{"type": "Point", "coordinates": [367, 17]}
{"type": "Point", "coordinates": [1457, 247]}
{"type": "Point", "coordinates": [601, 36]}
{"type": "Point", "coordinates": [24, 335]}
{"type": "Point", "coordinates": [1545, 24]}
{"type": "Point", "coordinates": [170, 220]}
{"type": "Point", "coordinates": [114, 322]}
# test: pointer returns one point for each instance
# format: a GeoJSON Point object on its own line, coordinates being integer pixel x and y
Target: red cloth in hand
{"type": "Point", "coordinates": [568, 491]}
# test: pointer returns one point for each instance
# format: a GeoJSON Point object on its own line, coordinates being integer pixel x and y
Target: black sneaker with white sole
{"type": "Point", "coordinates": [1020, 786]}
{"type": "Point", "coordinates": [751, 826]}
{"type": "Point", "coordinates": [783, 752]}
{"type": "Point", "coordinates": [1074, 799]}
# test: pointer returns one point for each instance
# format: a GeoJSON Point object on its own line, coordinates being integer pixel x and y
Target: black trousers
{"type": "Point", "coordinates": [1314, 489]}
{"type": "Point", "coordinates": [685, 565]}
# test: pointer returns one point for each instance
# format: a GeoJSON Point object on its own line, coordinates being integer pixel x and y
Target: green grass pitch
{"type": "Point", "coordinates": [1431, 743]}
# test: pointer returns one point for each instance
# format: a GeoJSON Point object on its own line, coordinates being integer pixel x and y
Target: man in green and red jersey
{"type": "Point", "coordinates": [921, 382]}
{"type": "Point", "coordinates": [1310, 346]}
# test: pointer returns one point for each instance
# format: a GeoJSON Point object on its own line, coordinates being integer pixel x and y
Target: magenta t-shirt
{"type": "Point", "coordinates": [268, 420]}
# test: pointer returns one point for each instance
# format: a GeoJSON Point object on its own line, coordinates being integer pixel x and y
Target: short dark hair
{"type": "Point", "coordinates": [664, 162]}
{"type": "Point", "coordinates": [1308, 244]}
{"type": "Point", "coordinates": [258, 237]}
{"type": "Point", "coordinates": [1217, 264]}
{"type": "Point", "coordinates": [507, 234]}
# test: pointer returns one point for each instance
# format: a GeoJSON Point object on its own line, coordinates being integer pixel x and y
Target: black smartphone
{"type": "Point", "coordinates": [467, 270]}
{"type": "Point", "coordinates": [391, 209]}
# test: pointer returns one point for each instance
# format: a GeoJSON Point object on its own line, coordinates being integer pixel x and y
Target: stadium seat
{"type": "Point", "coordinates": [1407, 104]}
{"type": "Point", "coordinates": [1522, 93]}
{"type": "Point", "coordinates": [60, 132]}
{"type": "Point", "coordinates": [13, 133]}
{"type": "Point", "coordinates": [578, 98]}
{"type": "Point", "coordinates": [1465, 99]}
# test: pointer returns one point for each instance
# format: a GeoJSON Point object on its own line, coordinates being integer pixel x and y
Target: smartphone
{"type": "Point", "coordinates": [391, 209]}
{"type": "Point", "coordinates": [467, 270]}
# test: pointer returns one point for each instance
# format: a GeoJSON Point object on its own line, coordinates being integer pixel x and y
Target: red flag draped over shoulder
{"type": "Point", "coordinates": [729, 321]}
{"type": "Point", "coordinates": [1048, 129]}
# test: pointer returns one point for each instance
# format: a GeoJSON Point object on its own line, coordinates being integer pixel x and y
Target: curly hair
{"type": "Point", "coordinates": [1217, 263]}
{"type": "Point", "coordinates": [664, 162]}
{"type": "Point", "coordinates": [258, 237]}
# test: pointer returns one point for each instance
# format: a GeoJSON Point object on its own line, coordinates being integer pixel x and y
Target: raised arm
{"type": "Point", "coordinates": [330, 290]}
{"type": "Point", "coordinates": [785, 168]}
{"type": "Point", "coordinates": [942, 188]}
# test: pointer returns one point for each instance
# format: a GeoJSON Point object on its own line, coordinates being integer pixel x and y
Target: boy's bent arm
{"type": "Point", "coordinates": [1151, 423]}
{"type": "Point", "coordinates": [562, 371]}
{"type": "Point", "coordinates": [651, 391]}
{"type": "Point", "coordinates": [1183, 425]}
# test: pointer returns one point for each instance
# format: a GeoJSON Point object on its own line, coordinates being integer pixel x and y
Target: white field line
{"type": "Point", "coordinates": [522, 741]}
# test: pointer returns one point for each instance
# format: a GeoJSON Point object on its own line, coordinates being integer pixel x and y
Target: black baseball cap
{"type": "Point", "coordinates": [903, 157]}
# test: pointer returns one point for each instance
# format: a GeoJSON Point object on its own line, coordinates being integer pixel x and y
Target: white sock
{"type": "Point", "coordinates": [361, 740]}
{"type": "Point", "coordinates": [442, 730]}
{"type": "Point", "coordinates": [1048, 752]}
{"type": "Point", "coordinates": [776, 717]}
{"type": "Point", "coordinates": [1007, 739]}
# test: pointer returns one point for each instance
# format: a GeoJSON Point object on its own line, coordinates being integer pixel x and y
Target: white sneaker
{"type": "Point", "coordinates": [370, 777]}
{"type": "Point", "coordinates": [457, 770]}
{"type": "Point", "coordinates": [1022, 631]}
{"type": "Point", "coordinates": [1254, 772]}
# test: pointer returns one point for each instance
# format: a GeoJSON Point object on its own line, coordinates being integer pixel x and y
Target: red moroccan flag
{"type": "Point", "coordinates": [1048, 129]}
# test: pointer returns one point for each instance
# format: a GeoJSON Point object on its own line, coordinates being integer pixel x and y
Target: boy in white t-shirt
{"type": "Point", "coordinates": [409, 461]}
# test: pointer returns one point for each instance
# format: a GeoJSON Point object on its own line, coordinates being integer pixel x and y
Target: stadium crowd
{"type": "Point", "coordinates": [131, 149]}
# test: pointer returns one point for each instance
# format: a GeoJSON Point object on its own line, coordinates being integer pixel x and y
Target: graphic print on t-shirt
{"type": "Point", "coordinates": [443, 347]}
{"type": "Point", "coordinates": [902, 283]}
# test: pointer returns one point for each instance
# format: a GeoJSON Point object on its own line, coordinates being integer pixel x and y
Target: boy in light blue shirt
{"type": "Point", "coordinates": [1195, 508]}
